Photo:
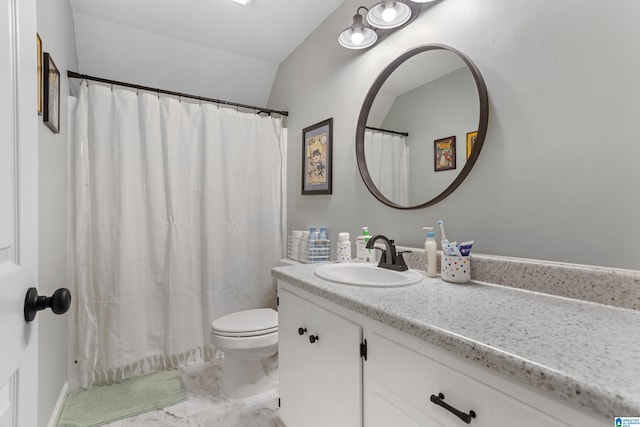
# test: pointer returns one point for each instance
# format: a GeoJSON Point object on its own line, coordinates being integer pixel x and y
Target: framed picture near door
{"type": "Point", "coordinates": [51, 92]}
{"type": "Point", "coordinates": [39, 53]}
{"type": "Point", "coordinates": [317, 153]}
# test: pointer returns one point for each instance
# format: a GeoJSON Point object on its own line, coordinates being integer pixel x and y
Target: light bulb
{"type": "Point", "coordinates": [389, 13]}
{"type": "Point", "coordinates": [356, 36]}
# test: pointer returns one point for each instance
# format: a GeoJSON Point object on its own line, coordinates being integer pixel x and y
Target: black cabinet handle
{"type": "Point", "coordinates": [301, 331]}
{"type": "Point", "coordinates": [439, 400]}
{"type": "Point", "coordinates": [59, 303]}
{"type": "Point", "coordinates": [313, 338]}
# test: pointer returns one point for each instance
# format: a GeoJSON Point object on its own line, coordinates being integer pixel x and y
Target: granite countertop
{"type": "Point", "coordinates": [578, 351]}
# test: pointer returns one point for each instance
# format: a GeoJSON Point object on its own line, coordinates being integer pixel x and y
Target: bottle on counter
{"type": "Point", "coordinates": [364, 254]}
{"type": "Point", "coordinates": [322, 247]}
{"type": "Point", "coordinates": [312, 251]}
{"type": "Point", "coordinates": [430, 249]}
{"type": "Point", "coordinates": [322, 234]}
{"type": "Point", "coordinates": [344, 247]}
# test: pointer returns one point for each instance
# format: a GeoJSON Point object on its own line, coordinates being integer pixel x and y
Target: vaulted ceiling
{"type": "Point", "coordinates": [242, 43]}
{"type": "Point", "coordinates": [264, 29]}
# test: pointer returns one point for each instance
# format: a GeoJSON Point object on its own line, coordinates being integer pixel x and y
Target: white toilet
{"type": "Point", "coordinates": [246, 338]}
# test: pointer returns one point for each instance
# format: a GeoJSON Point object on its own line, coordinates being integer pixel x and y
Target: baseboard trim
{"type": "Point", "coordinates": [57, 410]}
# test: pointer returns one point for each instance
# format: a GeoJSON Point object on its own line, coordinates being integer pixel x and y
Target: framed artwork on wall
{"type": "Point", "coordinates": [39, 53]}
{"type": "Point", "coordinates": [51, 91]}
{"type": "Point", "coordinates": [444, 154]}
{"type": "Point", "coordinates": [317, 155]}
{"type": "Point", "coordinates": [471, 140]}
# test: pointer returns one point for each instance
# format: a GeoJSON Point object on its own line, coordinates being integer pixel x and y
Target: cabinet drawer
{"type": "Point", "coordinates": [401, 380]}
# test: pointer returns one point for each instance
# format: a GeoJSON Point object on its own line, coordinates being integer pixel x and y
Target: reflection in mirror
{"type": "Point", "coordinates": [387, 156]}
{"type": "Point", "coordinates": [420, 99]}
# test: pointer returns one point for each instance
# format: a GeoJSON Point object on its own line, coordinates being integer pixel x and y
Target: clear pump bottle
{"type": "Point", "coordinates": [364, 254]}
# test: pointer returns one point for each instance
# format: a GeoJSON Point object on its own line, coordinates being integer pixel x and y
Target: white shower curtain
{"type": "Point", "coordinates": [176, 218]}
{"type": "Point", "coordinates": [387, 157]}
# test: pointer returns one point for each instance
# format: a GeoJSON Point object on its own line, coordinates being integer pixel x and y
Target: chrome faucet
{"type": "Point", "coordinates": [389, 259]}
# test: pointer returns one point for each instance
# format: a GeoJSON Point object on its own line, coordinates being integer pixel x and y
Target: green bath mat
{"type": "Point", "coordinates": [107, 403]}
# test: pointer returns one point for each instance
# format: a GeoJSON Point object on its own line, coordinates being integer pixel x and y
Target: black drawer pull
{"type": "Point", "coordinates": [313, 338]}
{"type": "Point", "coordinates": [439, 400]}
{"type": "Point", "coordinates": [302, 331]}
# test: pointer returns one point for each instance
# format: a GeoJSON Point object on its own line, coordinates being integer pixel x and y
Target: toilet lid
{"type": "Point", "coordinates": [247, 323]}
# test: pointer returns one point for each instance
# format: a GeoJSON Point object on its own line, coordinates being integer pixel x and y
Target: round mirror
{"type": "Point", "coordinates": [421, 127]}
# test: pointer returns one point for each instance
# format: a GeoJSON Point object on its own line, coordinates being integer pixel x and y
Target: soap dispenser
{"type": "Point", "coordinates": [430, 248]}
{"type": "Point", "coordinates": [364, 254]}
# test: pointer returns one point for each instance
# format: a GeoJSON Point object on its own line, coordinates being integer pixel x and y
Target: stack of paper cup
{"type": "Point", "coordinates": [296, 236]}
{"type": "Point", "coordinates": [304, 246]}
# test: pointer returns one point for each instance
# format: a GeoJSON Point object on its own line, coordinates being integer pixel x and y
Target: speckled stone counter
{"type": "Point", "coordinates": [579, 351]}
{"type": "Point", "coordinates": [604, 285]}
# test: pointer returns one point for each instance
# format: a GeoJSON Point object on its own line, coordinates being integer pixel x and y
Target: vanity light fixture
{"type": "Point", "coordinates": [380, 19]}
{"type": "Point", "coordinates": [388, 14]}
{"type": "Point", "coordinates": [243, 2]}
{"type": "Point", "coordinates": [358, 35]}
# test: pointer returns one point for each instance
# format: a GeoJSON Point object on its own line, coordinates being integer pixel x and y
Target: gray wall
{"type": "Point", "coordinates": [55, 26]}
{"type": "Point", "coordinates": [557, 178]}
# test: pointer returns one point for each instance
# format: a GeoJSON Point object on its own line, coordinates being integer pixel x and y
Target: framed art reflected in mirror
{"type": "Point", "coordinates": [471, 140]}
{"type": "Point", "coordinates": [444, 154]}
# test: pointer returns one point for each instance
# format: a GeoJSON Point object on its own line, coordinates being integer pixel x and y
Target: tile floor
{"type": "Point", "coordinates": [205, 407]}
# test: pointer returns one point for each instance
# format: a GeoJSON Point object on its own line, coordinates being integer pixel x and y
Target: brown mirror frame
{"type": "Point", "coordinates": [366, 108]}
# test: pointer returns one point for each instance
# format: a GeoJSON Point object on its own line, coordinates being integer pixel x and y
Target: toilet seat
{"type": "Point", "coordinates": [248, 323]}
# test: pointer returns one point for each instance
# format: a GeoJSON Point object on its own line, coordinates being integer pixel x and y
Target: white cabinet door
{"type": "Point", "coordinates": [337, 382]}
{"type": "Point", "coordinates": [18, 211]}
{"type": "Point", "coordinates": [294, 358]}
{"type": "Point", "coordinates": [320, 365]}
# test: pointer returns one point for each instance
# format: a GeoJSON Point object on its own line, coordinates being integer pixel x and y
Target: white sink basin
{"type": "Point", "coordinates": [367, 275]}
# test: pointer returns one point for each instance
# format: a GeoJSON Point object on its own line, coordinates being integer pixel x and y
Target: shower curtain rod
{"type": "Point", "coordinates": [258, 110]}
{"type": "Point", "coordinates": [388, 131]}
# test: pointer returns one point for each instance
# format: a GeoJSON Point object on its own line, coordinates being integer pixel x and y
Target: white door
{"type": "Point", "coordinates": [18, 211]}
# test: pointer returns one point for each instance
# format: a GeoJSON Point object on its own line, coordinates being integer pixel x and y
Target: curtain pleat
{"type": "Point", "coordinates": [387, 157]}
{"type": "Point", "coordinates": [176, 219]}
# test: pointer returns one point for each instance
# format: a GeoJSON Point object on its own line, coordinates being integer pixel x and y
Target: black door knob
{"type": "Point", "coordinates": [59, 303]}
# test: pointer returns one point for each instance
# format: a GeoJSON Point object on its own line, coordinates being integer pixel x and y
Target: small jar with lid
{"type": "Point", "coordinates": [344, 247]}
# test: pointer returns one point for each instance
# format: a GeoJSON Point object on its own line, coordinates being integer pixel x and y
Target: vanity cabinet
{"type": "Point", "coordinates": [328, 383]}
{"type": "Point", "coordinates": [321, 371]}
